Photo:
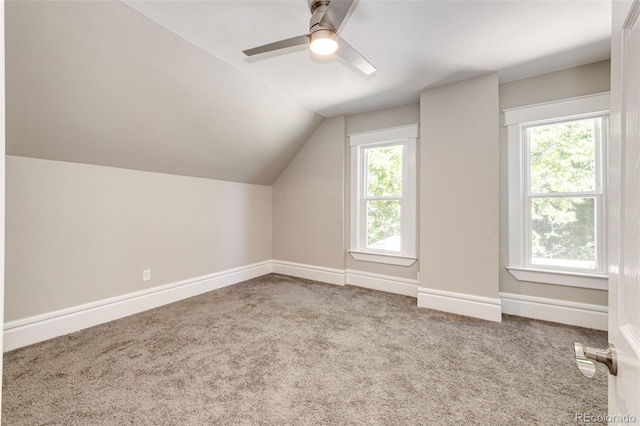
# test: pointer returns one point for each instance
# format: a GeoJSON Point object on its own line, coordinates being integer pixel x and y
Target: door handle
{"type": "Point", "coordinates": [585, 355]}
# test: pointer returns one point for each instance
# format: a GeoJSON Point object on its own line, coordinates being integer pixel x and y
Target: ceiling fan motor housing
{"type": "Point", "coordinates": [318, 9]}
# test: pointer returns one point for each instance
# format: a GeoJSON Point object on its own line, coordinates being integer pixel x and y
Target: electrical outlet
{"type": "Point", "coordinates": [146, 275]}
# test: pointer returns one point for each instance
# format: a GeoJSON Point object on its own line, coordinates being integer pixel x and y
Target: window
{"type": "Point", "coordinates": [557, 182]}
{"type": "Point", "coordinates": [383, 196]}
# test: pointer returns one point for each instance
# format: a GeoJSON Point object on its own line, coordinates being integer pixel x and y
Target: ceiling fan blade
{"type": "Point", "coordinates": [282, 44]}
{"type": "Point", "coordinates": [351, 55]}
{"type": "Point", "coordinates": [336, 12]}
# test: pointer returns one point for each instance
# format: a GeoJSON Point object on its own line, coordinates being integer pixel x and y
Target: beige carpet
{"type": "Point", "coordinates": [285, 351]}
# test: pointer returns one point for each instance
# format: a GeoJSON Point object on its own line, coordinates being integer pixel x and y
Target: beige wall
{"type": "Point", "coordinates": [91, 230]}
{"type": "Point", "coordinates": [311, 197]}
{"type": "Point", "coordinates": [578, 81]}
{"type": "Point", "coordinates": [308, 201]}
{"type": "Point", "coordinates": [402, 115]}
{"type": "Point", "coordinates": [459, 187]}
{"type": "Point", "coordinates": [2, 186]}
{"type": "Point", "coordinates": [79, 233]}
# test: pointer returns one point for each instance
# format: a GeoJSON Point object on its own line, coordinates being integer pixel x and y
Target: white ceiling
{"type": "Point", "coordinates": [414, 44]}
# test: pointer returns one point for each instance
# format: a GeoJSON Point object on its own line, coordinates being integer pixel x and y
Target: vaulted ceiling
{"type": "Point", "coordinates": [163, 86]}
{"type": "Point", "coordinates": [98, 83]}
{"type": "Point", "coordinates": [414, 44]}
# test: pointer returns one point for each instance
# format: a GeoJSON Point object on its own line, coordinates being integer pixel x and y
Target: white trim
{"type": "Point", "coordinates": [518, 197]}
{"type": "Point", "coordinates": [386, 283]}
{"type": "Point", "coordinates": [406, 136]}
{"type": "Point", "coordinates": [46, 326]}
{"type": "Point", "coordinates": [565, 278]}
{"type": "Point", "coordinates": [632, 338]}
{"type": "Point", "coordinates": [390, 134]}
{"type": "Point", "coordinates": [390, 259]}
{"type": "Point", "coordinates": [309, 272]}
{"type": "Point", "coordinates": [597, 103]}
{"type": "Point", "coordinates": [515, 195]}
{"type": "Point", "coordinates": [459, 303]}
{"type": "Point", "coordinates": [560, 311]}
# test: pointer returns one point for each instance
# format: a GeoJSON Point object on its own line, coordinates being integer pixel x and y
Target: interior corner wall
{"type": "Point", "coordinates": [459, 184]}
{"type": "Point", "coordinates": [403, 115]}
{"type": "Point", "coordinates": [308, 201]}
{"type": "Point", "coordinates": [568, 83]}
{"type": "Point", "coordinates": [79, 233]}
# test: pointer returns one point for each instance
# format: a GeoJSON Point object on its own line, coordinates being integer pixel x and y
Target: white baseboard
{"type": "Point", "coordinates": [484, 308]}
{"type": "Point", "coordinates": [42, 327]}
{"type": "Point", "coordinates": [385, 283]}
{"type": "Point", "coordinates": [309, 272]}
{"type": "Point", "coordinates": [46, 326]}
{"type": "Point", "coordinates": [561, 311]}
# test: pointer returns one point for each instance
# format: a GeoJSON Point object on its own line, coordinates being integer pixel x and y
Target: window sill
{"type": "Point", "coordinates": [389, 259]}
{"type": "Point", "coordinates": [565, 278]}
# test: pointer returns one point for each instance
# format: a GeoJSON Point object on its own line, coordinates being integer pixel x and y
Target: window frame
{"type": "Point", "coordinates": [517, 121]}
{"type": "Point", "coordinates": [359, 142]}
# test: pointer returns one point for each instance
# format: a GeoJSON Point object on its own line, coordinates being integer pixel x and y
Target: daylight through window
{"type": "Point", "coordinates": [564, 194]}
{"type": "Point", "coordinates": [383, 198]}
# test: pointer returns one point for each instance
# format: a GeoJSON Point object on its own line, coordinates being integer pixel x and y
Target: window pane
{"type": "Point", "coordinates": [562, 157]}
{"type": "Point", "coordinates": [563, 232]}
{"type": "Point", "coordinates": [383, 225]}
{"type": "Point", "coordinates": [384, 170]}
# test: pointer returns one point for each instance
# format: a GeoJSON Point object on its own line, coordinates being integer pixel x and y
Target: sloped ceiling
{"type": "Point", "coordinates": [99, 83]}
{"type": "Point", "coordinates": [163, 86]}
{"type": "Point", "coordinates": [414, 44]}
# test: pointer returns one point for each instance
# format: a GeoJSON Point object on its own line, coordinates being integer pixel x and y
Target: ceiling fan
{"type": "Point", "coordinates": [323, 38]}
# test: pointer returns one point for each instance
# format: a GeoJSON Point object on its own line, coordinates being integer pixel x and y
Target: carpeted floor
{"type": "Point", "coordinates": [285, 351]}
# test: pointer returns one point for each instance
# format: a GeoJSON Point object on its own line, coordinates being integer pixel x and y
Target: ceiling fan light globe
{"type": "Point", "coordinates": [323, 42]}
